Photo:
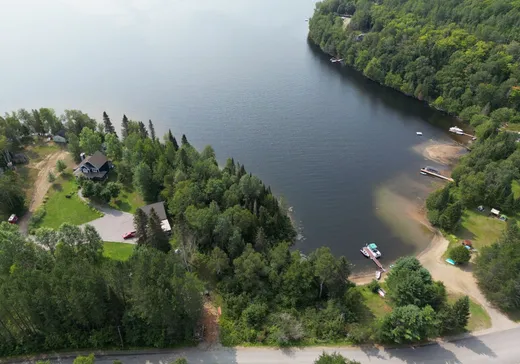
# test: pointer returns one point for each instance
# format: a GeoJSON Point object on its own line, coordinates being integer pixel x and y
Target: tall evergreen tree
{"type": "Point", "coordinates": [109, 128]}
{"type": "Point", "coordinates": [461, 312]}
{"type": "Point", "coordinates": [152, 129]}
{"type": "Point", "coordinates": [173, 140]}
{"type": "Point", "coordinates": [157, 238]}
{"type": "Point", "coordinates": [142, 130]}
{"type": "Point", "coordinates": [124, 127]}
{"type": "Point", "coordinates": [184, 140]}
{"type": "Point", "coordinates": [140, 226]}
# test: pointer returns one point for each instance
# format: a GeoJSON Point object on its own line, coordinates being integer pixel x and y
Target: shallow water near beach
{"type": "Point", "coordinates": [241, 76]}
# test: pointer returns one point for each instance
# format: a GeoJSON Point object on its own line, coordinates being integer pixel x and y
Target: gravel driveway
{"type": "Point", "coordinates": [113, 225]}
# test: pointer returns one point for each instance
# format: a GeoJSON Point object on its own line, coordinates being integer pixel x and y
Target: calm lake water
{"type": "Point", "coordinates": [241, 76]}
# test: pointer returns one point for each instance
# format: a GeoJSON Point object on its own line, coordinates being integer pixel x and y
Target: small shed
{"type": "Point", "coordinates": [59, 139]}
{"type": "Point", "coordinates": [495, 212]}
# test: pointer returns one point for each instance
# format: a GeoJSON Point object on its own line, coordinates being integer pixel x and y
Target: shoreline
{"type": "Point", "coordinates": [446, 155]}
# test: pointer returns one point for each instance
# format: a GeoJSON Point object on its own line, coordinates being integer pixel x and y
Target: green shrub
{"type": "Point", "coordinates": [460, 254]}
{"type": "Point", "coordinates": [37, 217]}
{"type": "Point", "coordinates": [374, 286]}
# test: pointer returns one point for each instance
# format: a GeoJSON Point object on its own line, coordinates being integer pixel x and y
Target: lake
{"type": "Point", "coordinates": [241, 76]}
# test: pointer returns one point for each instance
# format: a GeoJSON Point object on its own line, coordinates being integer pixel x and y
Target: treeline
{"type": "Point", "coordinates": [497, 270]}
{"type": "Point", "coordinates": [59, 292]}
{"type": "Point", "coordinates": [461, 57]}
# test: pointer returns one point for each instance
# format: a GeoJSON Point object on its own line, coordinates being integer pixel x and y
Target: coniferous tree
{"type": "Point", "coordinates": [157, 238]}
{"type": "Point", "coordinates": [184, 140]}
{"type": "Point", "coordinates": [140, 225]}
{"type": "Point", "coordinates": [109, 128]}
{"type": "Point", "coordinates": [152, 129]}
{"type": "Point", "coordinates": [142, 130]}
{"type": "Point", "coordinates": [172, 139]}
{"type": "Point", "coordinates": [461, 312]}
{"type": "Point", "coordinates": [124, 127]}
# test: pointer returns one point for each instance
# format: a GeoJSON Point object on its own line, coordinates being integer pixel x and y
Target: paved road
{"type": "Point", "coordinates": [113, 225]}
{"type": "Point", "coordinates": [499, 347]}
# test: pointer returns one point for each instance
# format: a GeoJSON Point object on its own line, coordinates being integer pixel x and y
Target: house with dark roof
{"type": "Point", "coordinates": [159, 209]}
{"type": "Point", "coordinates": [94, 167]}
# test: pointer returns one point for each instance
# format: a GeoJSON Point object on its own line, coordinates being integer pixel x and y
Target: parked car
{"type": "Point", "coordinates": [13, 219]}
{"type": "Point", "coordinates": [129, 235]}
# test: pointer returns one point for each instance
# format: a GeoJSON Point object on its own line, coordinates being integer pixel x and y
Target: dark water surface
{"type": "Point", "coordinates": [238, 75]}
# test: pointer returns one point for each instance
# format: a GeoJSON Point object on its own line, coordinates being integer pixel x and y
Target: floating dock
{"type": "Point", "coordinates": [431, 173]}
{"type": "Point", "coordinates": [373, 258]}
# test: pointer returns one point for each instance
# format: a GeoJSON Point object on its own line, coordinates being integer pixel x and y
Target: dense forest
{"type": "Point", "coordinates": [231, 237]}
{"type": "Point", "coordinates": [462, 57]}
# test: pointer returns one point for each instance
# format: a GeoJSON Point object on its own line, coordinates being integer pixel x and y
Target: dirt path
{"type": "Point", "coordinates": [210, 322]}
{"type": "Point", "coordinates": [460, 280]}
{"type": "Point", "coordinates": [41, 184]}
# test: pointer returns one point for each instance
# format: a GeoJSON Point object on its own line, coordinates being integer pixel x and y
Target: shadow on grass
{"type": "Point", "coordinates": [465, 234]}
{"type": "Point", "coordinates": [67, 176]}
{"type": "Point", "coordinates": [514, 315]}
{"type": "Point", "coordinates": [123, 205]}
{"type": "Point", "coordinates": [31, 154]}
{"type": "Point", "coordinates": [57, 187]}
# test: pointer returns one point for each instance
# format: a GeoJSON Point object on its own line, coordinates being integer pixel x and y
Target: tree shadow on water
{"type": "Point", "coordinates": [431, 353]}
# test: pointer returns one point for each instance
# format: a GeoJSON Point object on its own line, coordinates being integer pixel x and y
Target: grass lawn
{"type": "Point", "coordinates": [376, 305]}
{"type": "Point", "coordinates": [478, 319]}
{"type": "Point", "coordinates": [60, 209]}
{"type": "Point", "coordinates": [40, 150]}
{"type": "Point", "coordinates": [479, 228]}
{"type": "Point", "coordinates": [117, 251]}
{"type": "Point", "coordinates": [515, 186]}
{"type": "Point", "coordinates": [513, 127]}
{"type": "Point", "coordinates": [128, 200]}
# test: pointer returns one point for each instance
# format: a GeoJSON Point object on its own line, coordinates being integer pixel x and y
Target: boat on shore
{"type": "Point", "coordinates": [336, 60]}
{"type": "Point", "coordinates": [456, 130]}
{"type": "Point", "coordinates": [378, 274]}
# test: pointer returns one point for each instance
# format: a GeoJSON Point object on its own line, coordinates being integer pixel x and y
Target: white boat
{"type": "Point", "coordinates": [424, 173]}
{"type": "Point", "coordinates": [335, 60]}
{"type": "Point", "coordinates": [378, 274]}
{"type": "Point", "coordinates": [456, 130]}
{"type": "Point", "coordinates": [381, 292]}
{"type": "Point", "coordinates": [362, 250]}
{"type": "Point", "coordinates": [373, 248]}
{"type": "Point", "coordinates": [419, 133]}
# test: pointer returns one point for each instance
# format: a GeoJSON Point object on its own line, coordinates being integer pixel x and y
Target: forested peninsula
{"type": "Point", "coordinates": [462, 57]}
{"type": "Point", "coordinates": [229, 247]}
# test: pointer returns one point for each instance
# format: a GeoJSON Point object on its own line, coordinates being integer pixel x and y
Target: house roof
{"type": "Point", "coordinates": [61, 133]}
{"type": "Point", "coordinates": [159, 210]}
{"type": "Point", "coordinates": [97, 159]}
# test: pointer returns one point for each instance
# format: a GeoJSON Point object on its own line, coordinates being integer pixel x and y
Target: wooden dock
{"type": "Point", "coordinates": [424, 170]}
{"type": "Point", "coordinates": [469, 135]}
{"type": "Point", "coordinates": [373, 258]}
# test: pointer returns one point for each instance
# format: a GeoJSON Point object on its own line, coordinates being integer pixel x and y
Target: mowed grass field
{"type": "Point", "coordinates": [59, 209]}
{"type": "Point", "coordinates": [117, 251]}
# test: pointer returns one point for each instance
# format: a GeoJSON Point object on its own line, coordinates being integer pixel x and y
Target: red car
{"type": "Point", "coordinates": [129, 235]}
{"type": "Point", "coordinates": [13, 219]}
